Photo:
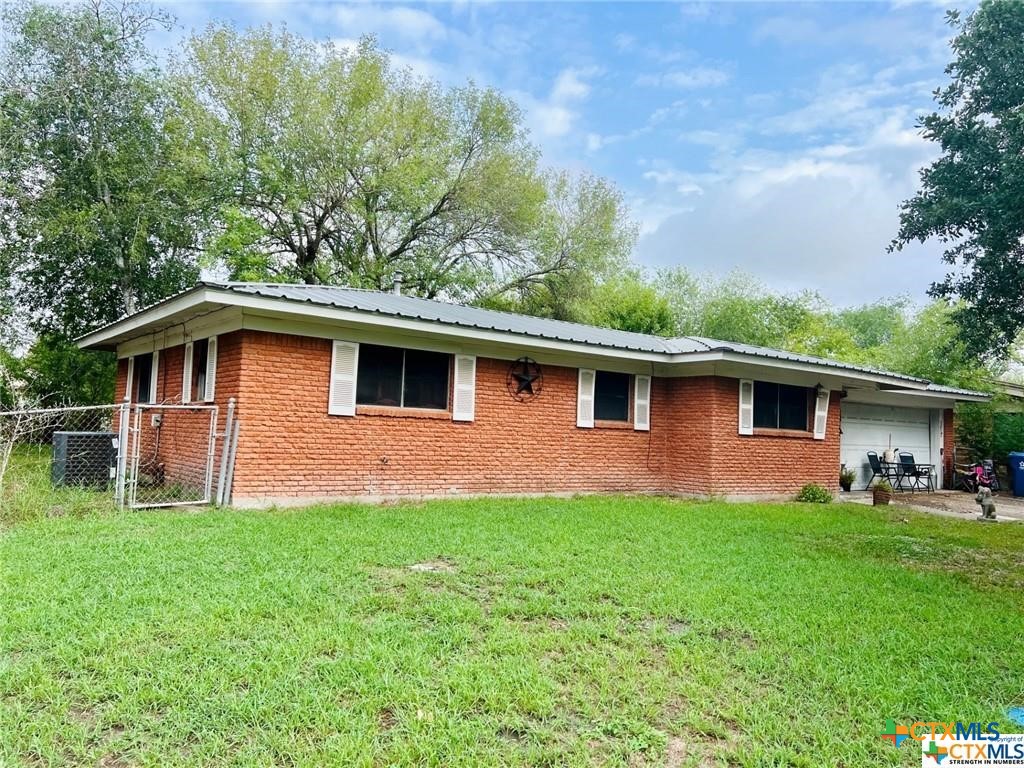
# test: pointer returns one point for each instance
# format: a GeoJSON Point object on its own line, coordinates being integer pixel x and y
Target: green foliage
{"type": "Point", "coordinates": [814, 494]}
{"type": "Point", "coordinates": [736, 308]}
{"type": "Point", "coordinates": [628, 303]}
{"type": "Point", "coordinates": [847, 476]}
{"type": "Point", "coordinates": [333, 166]}
{"type": "Point", "coordinates": [969, 198]}
{"type": "Point", "coordinates": [887, 334]}
{"type": "Point", "coordinates": [1007, 434]}
{"type": "Point", "coordinates": [100, 219]}
{"type": "Point", "coordinates": [56, 372]}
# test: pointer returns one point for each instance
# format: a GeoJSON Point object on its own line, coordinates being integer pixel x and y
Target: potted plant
{"type": "Point", "coordinates": [846, 477]}
{"type": "Point", "coordinates": [881, 493]}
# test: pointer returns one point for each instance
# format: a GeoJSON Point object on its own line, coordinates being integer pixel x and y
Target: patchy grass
{"type": "Point", "coordinates": [592, 631]}
{"type": "Point", "coordinates": [28, 494]}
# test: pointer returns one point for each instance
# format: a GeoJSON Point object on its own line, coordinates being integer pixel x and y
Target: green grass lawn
{"type": "Point", "coordinates": [591, 631]}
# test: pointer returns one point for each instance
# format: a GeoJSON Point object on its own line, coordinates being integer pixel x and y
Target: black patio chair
{"type": "Point", "coordinates": [878, 469]}
{"type": "Point", "coordinates": [914, 473]}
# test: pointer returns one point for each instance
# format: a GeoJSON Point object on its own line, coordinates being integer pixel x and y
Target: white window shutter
{"type": "Point", "coordinates": [746, 407]}
{"type": "Point", "coordinates": [642, 403]}
{"type": "Point", "coordinates": [464, 391]}
{"type": "Point", "coordinates": [344, 364]}
{"type": "Point", "coordinates": [585, 398]}
{"type": "Point", "coordinates": [153, 375]}
{"type": "Point", "coordinates": [821, 414]}
{"type": "Point", "coordinates": [131, 378]}
{"type": "Point", "coordinates": [186, 375]}
{"type": "Point", "coordinates": [211, 369]}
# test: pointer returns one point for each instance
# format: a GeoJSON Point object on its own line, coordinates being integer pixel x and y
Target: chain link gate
{"type": "Point", "coordinates": [145, 455]}
{"type": "Point", "coordinates": [171, 454]}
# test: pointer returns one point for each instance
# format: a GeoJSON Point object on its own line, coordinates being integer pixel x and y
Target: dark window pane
{"type": "Point", "coordinates": [200, 350]}
{"type": "Point", "coordinates": [792, 407]}
{"type": "Point", "coordinates": [426, 379]}
{"type": "Point", "coordinates": [766, 405]}
{"type": "Point", "coordinates": [143, 372]}
{"type": "Point", "coordinates": [380, 375]}
{"type": "Point", "coordinates": [611, 396]}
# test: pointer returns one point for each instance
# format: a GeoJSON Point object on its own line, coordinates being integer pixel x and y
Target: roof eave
{"type": "Point", "coordinates": [103, 337]}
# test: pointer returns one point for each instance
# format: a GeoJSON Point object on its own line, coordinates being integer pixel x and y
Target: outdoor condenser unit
{"type": "Point", "coordinates": [84, 459]}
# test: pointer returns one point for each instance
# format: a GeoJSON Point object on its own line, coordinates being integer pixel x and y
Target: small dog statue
{"type": "Point", "coordinates": [988, 507]}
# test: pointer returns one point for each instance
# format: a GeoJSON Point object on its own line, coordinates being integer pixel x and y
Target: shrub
{"type": "Point", "coordinates": [814, 494]}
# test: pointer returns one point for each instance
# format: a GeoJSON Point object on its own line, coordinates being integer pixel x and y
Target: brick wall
{"type": "Point", "coordinates": [767, 463]}
{"type": "Point", "coordinates": [290, 447]}
{"type": "Point", "coordinates": [174, 453]}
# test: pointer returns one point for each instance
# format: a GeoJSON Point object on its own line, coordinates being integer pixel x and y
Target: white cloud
{"type": "Point", "coordinates": [556, 115]}
{"type": "Point", "coordinates": [411, 24]}
{"type": "Point", "coordinates": [697, 77]}
{"type": "Point", "coordinates": [569, 85]}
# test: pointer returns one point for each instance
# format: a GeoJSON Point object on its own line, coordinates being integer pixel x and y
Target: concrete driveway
{"type": "Point", "coordinates": [948, 504]}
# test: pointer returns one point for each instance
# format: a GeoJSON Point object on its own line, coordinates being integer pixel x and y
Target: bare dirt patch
{"type": "Point", "coordinates": [433, 566]}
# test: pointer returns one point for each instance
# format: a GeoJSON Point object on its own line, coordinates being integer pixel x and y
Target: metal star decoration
{"type": "Point", "coordinates": [524, 379]}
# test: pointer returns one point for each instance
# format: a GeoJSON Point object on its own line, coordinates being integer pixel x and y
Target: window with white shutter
{"type": "Point", "coordinates": [585, 398]}
{"type": "Point", "coordinates": [642, 403]}
{"type": "Point", "coordinates": [746, 420]}
{"type": "Point", "coordinates": [821, 413]}
{"type": "Point", "coordinates": [186, 375]}
{"type": "Point", "coordinates": [154, 370]}
{"type": "Point", "coordinates": [344, 364]}
{"type": "Point", "coordinates": [464, 391]}
{"type": "Point", "coordinates": [211, 370]}
{"type": "Point", "coordinates": [131, 378]}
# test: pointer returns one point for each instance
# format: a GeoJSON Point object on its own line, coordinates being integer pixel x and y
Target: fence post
{"type": "Point", "coordinates": [224, 447]}
{"type": "Point", "coordinates": [122, 453]}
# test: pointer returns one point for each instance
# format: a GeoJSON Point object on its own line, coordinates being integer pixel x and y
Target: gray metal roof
{"type": "Point", "coordinates": [778, 354]}
{"type": "Point", "coordinates": [394, 305]}
{"type": "Point", "coordinates": [447, 313]}
{"type": "Point", "coordinates": [956, 391]}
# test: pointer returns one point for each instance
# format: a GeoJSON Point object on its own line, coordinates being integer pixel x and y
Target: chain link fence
{"type": "Point", "coordinates": [171, 455]}
{"type": "Point", "coordinates": [64, 460]}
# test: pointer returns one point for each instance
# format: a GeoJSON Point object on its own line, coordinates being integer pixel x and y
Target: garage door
{"type": "Point", "coordinates": [878, 427]}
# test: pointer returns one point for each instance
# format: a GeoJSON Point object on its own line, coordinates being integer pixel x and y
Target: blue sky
{"type": "Point", "coordinates": [776, 138]}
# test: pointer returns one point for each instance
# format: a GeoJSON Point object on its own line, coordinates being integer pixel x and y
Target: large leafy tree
{"type": "Point", "coordinates": [972, 197]}
{"type": "Point", "coordinates": [328, 165]}
{"type": "Point", "coordinates": [100, 220]}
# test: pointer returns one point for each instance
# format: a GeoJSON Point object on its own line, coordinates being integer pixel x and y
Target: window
{"type": "Point", "coordinates": [611, 396]}
{"type": "Point", "coordinates": [144, 378]}
{"type": "Point", "coordinates": [780, 406]}
{"type": "Point", "coordinates": [404, 378]}
{"type": "Point", "coordinates": [200, 358]}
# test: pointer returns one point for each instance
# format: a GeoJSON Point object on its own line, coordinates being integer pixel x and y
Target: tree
{"type": "Point", "coordinates": [54, 373]}
{"type": "Point", "coordinates": [101, 222]}
{"type": "Point", "coordinates": [736, 308]}
{"type": "Point", "coordinates": [328, 165]}
{"type": "Point", "coordinates": [971, 197]}
{"type": "Point", "coordinates": [629, 303]}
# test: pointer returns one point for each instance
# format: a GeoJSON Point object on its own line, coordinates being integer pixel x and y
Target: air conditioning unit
{"type": "Point", "coordinates": [84, 459]}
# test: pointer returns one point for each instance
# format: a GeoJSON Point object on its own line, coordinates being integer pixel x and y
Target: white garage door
{"type": "Point", "coordinates": [878, 427]}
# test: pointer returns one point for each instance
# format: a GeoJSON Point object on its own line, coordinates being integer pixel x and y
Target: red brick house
{"type": "Point", "coordinates": [345, 393]}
